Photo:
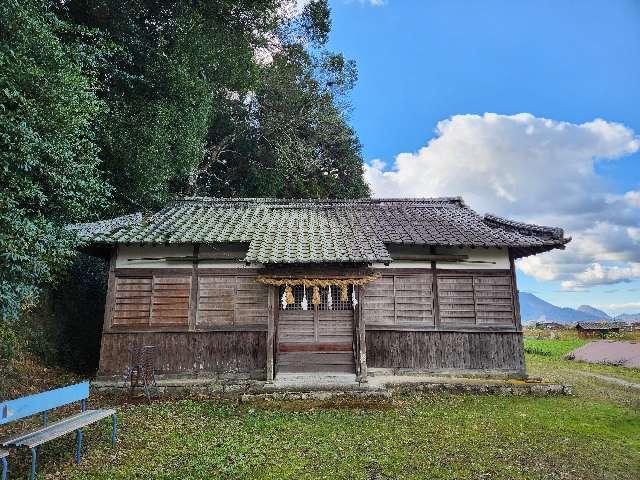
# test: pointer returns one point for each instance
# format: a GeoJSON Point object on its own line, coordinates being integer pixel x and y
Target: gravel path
{"type": "Point", "coordinates": [605, 378]}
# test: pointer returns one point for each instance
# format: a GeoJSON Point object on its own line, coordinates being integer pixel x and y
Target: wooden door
{"type": "Point", "coordinates": [316, 340]}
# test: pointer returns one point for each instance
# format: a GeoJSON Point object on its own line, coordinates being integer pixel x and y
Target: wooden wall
{"type": "Point", "coordinates": [441, 300]}
{"type": "Point", "coordinates": [191, 300]}
{"type": "Point", "coordinates": [210, 320]}
{"type": "Point", "coordinates": [434, 351]}
{"type": "Point", "coordinates": [441, 320]}
{"type": "Point", "coordinates": [218, 320]}
{"type": "Point", "coordinates": [187, 352]}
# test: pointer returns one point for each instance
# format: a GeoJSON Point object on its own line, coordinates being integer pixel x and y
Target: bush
{"type": "Point", "coordinates": [65, 328]}
{"type": "Point", "coordinates": [8, 343]}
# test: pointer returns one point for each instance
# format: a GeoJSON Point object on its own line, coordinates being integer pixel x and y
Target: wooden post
{"type": "Point", "coordinates": [434, 293]}
{"type": "Point", "coordinates": [193, 300]}
{"type": "Point", "coordinates": [362, 338]}
{"type": "Point", "coordinates": [111, 290]}
{"type": "Point", "coordinates": [109, 304]}
{"type": "Point", "coordinates": [270, 332]}
{"type": "Point", "coordinates": [516, 296]}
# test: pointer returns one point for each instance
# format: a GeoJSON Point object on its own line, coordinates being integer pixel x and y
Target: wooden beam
{"type": "Point", "coordinates": [362, 337]}
{"type": "Point", "coordinates": [516, 296]}
{"type": "Point", "coordinates": [193, 299]}
{"type": "Point", "coordinates": [429, 257]}
{"type": "Point", "coordinates": [111, 290]}
{"type": "Point", "coordinates": [270, 332]}
{"type": "Point", "coordinates": [434, 293]}
{"type": "Point", "coordinates": [447, 328]}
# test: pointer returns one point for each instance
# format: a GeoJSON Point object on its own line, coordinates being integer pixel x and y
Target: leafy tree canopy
{"type": "Point", "coordinates": [222, 98]}
{"type": "Point", "coordinates": [49, 166]}
{"type": "Point", "coordinates": [115, 106]}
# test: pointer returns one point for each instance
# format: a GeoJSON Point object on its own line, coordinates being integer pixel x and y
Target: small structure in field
{"type": "Point", "coordinates": [550, 326]}
{"type": "Point", "coordinates": [598, 329]}
{"type": "Point", "coordinates": [258, 287]}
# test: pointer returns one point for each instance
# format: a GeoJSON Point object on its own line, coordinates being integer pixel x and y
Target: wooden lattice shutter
{"type": "Point", "coordinates": [170, 300]}
{"type": "Point", "coordinates": [493, 300]}
{"type": "Point", "coordinates": [456, 301]}
{"type": "Point", "coordinates": [132, 302]}
{"type": "Point", "coordinates": [414, 299]}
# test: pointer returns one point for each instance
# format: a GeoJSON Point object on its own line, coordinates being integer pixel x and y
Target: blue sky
{"type": "Point", "coordinates": [569, 62]}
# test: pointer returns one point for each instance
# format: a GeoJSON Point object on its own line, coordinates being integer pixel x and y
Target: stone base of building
{"type": "Point", "coordinates": [315, 386]}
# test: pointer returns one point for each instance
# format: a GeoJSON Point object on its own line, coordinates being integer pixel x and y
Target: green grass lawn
{"type": "Point", "coordinates": [594, 434]}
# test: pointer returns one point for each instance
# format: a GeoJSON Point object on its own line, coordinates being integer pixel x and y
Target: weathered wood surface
{"type": "Point", "coordinates": [315, 340]}
{"type": "Point", "coordinates": [361, 350]}
{"type": "Point", "coordinates": [159, 300]}
{"type": "Point", "coordinates": [185, 352]}
{"type": "Point", "coordinates": [231, 300]}
{"type": "Point", "coordinates": [271, 300]}
{"type": "Point", "coordinates": [431, 351]}
{"type": "Point", "coordinates": [400, 299]}
{"type": "Point", "coordinates": [475, 299]}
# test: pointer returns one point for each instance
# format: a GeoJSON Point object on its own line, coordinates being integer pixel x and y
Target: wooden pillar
{"type": "Point", "coordinates": [362, 337]}
{"type": "Point", "coordinates": [111, 290]}
{"type": "Point", "coordinates": [109, 303]}
{"type": "Point", "coordinates": [434, 293]}
{"type": "Point", "coordinates": [270, 332]}
{"type": "Point", "coordinates": [516, 296]}
{"type": "Point", "coordinates": [193, 299]}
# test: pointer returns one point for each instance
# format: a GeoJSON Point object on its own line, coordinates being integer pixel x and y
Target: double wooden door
{"type": "Point", "coordinates": [316, 340]}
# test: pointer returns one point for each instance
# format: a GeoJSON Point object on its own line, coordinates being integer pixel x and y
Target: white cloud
{"type": "Point", "coordinates": [598, 274]}
{"type": "Point", "coordinates": [633, 198]}
{"type": "Point", "coordinates": [536, 170]}
{"type": "Point", "coordinates": [619, 307]}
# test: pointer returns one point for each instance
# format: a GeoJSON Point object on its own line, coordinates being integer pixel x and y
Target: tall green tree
{"type": "Point", "coordinates": [49, 166]}
{"type": "Point", "coordinates": [224, 98]}
{"type": "Point", "coordinates": [179, 61]}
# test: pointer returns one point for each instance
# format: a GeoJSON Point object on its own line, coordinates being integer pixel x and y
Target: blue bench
{"type": "Point", "coordinates": [42, 403]}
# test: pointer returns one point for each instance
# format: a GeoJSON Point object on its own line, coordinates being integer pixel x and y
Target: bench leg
{"type": "Point", "coordinates": [78, 444]}
{"type": "Point", "coordinates": [115, 429]}
{"type": "Point", "coordinates": [34, 462]}
{"type": "Point", "coordinates": [5, 467]}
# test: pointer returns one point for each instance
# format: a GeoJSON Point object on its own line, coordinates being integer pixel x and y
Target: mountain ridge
{"type": "Point", "coordinates": [534, 309]}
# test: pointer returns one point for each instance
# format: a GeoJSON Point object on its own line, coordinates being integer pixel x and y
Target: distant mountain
{"type": "Point", "coordinates": [593, 311]}
{"type": "Point", "coordinates": [628, 317]}
{"type": "Point", "coordinates": [534, 309]}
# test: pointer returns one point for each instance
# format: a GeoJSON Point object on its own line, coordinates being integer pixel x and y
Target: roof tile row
{"type": "Point", "coordinates": [317, 231]}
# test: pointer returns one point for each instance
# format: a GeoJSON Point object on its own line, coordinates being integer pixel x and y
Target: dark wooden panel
{"type": "Point", "coordinates": [493, 300]}
{"type": "Point", "coordinates": [187, 352]}
{"type": "Point", "coordinates": [132, 302]}
{"type": "Point", "coordinates": [435, 350]}
{"type": "Point", "coordinates": [170, 300]}
{"type": "Point", "coordinates": [315, 347]}
{"type": "Point", "coordinates": [231, 300]}
{"type": "Point", "coordinates": [405, 298]}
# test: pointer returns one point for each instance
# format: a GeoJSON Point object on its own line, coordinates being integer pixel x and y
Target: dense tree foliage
{"type": "Point", "coordinates": [115, 106]}
{"type": "Point", "coordinates": [49, 165]}
{"type": "Point", "coordinates": [221, 98]}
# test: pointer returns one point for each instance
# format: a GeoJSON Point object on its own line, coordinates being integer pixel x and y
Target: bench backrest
{"type": "Point", "coordinates": [41, 402]}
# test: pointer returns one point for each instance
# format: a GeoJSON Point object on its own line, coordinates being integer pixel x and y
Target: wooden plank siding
{"type": "Point", "coordinates": [315, 340]}
{"type": "Point", "coordinates": [220, 320]}
{"type": "Point", "coordinates": [151, 301]}
{"type": "Point", "coordinates": [400, 299]}
{"type": "Point", "coordinates": [475, 299]}
{"type": "Point", "coordinates": [187, 352]}
{"type": "Point", "coordinates": [441, 351]}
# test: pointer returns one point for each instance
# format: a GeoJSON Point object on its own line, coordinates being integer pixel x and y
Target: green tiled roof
{"type": "Point", "coordinates": [316, 231]}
